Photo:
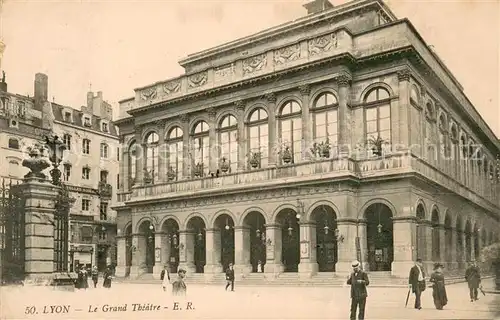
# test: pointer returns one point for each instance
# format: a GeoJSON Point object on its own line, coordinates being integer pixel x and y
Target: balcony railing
{"type": "Point", "coordinates": [105, 190]}
{"type": "Point", "coordinates": [344, 168]}
{"type": "Point", "coordinates": [123, 196]}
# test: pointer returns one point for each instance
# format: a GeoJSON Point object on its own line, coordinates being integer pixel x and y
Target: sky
{"type": "Point", "coordinates": [115, 46]}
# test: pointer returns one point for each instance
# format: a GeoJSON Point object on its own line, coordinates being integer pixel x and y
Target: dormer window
{"type": "Point", "coordinates": [86, 121]}
{"type": "Point", "coordinates": [67, 116]}
{"type": "Point", "coordinates": [104, 127]}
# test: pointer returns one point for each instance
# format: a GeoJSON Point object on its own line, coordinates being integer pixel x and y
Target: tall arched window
{"type": "Point", "coordinates": [175, 152]}
{"type": "Point", "coordinates": [151, 173]}
{"type": "Point", "coordinates": [325, 119]}
{"type": "Point", "coordinates": [258, 133]}
{"type": "Point", "coordinates": [132, 158]}
{"type": "Point", "coordinates": [201, 146]}
{"type": "Point", "coordinates": [228, 135]}
{"type": "Point", "coordinates": [291, 129]}
{"type": "Point", "coordinates": [378, 115]}
{"type": "Point", "coordinates": [442, 136]}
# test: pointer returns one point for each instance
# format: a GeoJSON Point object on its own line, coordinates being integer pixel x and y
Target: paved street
{"type": "Point", "coordinates": [247, 302]}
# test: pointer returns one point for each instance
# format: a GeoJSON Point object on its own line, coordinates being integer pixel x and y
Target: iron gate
{"type": "Point", "coordinates": [61, 230]}
{"type": "Point", "coordinates": [11, 232]}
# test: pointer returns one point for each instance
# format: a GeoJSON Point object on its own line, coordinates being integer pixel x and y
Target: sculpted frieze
{"type": "Point", "coordinates": [322, 44]}
{"type": "Point", "coordinates": [224, 72]}
{"type": "Point", "coordinates": [148, 94]}
{"type": "Point", "coordinates": [287, 54]}
{"type": "Point", "coordinates": [198, 79]}
{"type": "Point", "coordinates": [254, 64]}
{"type": "Point", "coordinates": [172, 87]}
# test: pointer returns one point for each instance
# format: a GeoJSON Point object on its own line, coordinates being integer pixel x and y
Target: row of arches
{"type": "Point", "coordinates": [324, 129]}
{"type": "Point", "coordinates": [379, 239]}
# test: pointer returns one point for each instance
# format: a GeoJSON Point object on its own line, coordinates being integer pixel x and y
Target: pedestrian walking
{"type": "Point", "coordinates": [473, 278]}
{"type": "Point", "coordinates": [358, 280]}
{"type": "Point", "coordinates": [416, 281]}
{"type": "Point", "coordinates": [107, 277]}
{"type": "Point", "coordinates": [230, 277]}
{"type": "Point", "coordinates": [179, 286]}
{"type": "Point", "coordinates": [438, 287]}
{"type": "Point", "coordinates": [165, 278]}
{"type": "Point", "coordinates": [95, 276]}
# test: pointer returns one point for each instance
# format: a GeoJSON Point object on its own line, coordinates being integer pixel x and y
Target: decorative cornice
{"type": "Point", "coordinates": [343, 80]}
{"type": "Point", "coordinates": [271, 97]}
{"type": "Point", "coordinates": [305, 90]}
{"type": "Point", "coordinates": [240, 105]}
{"type": "Point", "coordinates": [404, 74]}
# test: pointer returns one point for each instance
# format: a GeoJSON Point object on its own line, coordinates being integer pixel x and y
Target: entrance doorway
{"type": "Point", "coordinates": [255, 221]}
{"type": "Point", "coordinates": [226, 226]}
{"type": "Point", "coordinates": [147, 230]}
{"type": "Point", "coordinates": [171, 229]}
{"type": "Point", "coordinates": [290, 239]}
{"type": "Point", "coordinates": [102, 254]}
{"type": "Point", "coordinates": [326, 243]}
{"type": "Point", "coordinates": [197, 225]}
{"type": "Point", "coordinates": [379, 230]}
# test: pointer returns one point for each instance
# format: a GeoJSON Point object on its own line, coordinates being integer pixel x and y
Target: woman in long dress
{"type": "Point", "coordinates": [107, 278]}
{"type": "Point", "coordinates": [438, 287]}
{"type": "Point", "coordinates": [165, 279]}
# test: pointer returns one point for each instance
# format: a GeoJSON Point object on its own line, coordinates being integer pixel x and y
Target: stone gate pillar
{"type": "Point", "coordinates": [40, 197]}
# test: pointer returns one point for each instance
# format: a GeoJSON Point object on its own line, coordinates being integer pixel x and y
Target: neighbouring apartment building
{"type": "Point", "coordinates": [340, 135]}
{"type": "Point", "coordinates": [89, 166]}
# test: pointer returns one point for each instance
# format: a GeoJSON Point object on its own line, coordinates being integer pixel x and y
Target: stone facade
{"type": "Point", "coordinates": [228, 163]}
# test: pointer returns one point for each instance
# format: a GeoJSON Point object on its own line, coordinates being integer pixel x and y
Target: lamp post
{"type": "Point", "coordinates": [56, 149]}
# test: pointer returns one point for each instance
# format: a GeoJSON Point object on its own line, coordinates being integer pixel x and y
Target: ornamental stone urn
{"type": "Point", "coordinates": [36, 163]}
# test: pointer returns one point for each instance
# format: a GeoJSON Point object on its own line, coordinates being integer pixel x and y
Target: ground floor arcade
{"type": "Point", "coordinates": [306, 236]}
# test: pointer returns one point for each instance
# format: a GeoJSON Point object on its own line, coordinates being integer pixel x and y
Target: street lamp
{"type": "Point", "coordinates": [56, 149]}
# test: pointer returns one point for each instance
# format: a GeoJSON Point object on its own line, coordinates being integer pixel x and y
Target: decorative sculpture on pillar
{"type": "Point", "coordinates": [36, 163]}
{"type": "Point", "coordinates": [56, 148]}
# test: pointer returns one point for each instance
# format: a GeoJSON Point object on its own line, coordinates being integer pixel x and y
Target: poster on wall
{"type": "Point", "coordinates": [304, 249]}
{"type": "Point", "coordinates": [269, 251]}
{"type": "Point", "coordinates": [182, 253]}
{"type": "Point", "coordinates": [157, 255]}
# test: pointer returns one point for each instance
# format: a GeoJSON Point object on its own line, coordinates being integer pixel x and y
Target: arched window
{"type": "Point", "coordinates": [175, 152]}
{"type": "Point", "coordinates": [378, 115]}
{"type": "Point", "coordinates": [13, 143]}
{"type": "Point", "coordinates": [325, 119]}
{"type": "Point", "coordinates": [442, 135]}
{"type": "Point", "coordinates": [201, 146]}
{"type": "Point", "coordinates": [291, 129]}
{"type": "Point", "coordinates": [258, 133]}
{"type": "Point", "coordinates": [228, 139]}
{"type": "Point", "coordinates": [132, 158]}
{"type": "Point", "coordinates": [151, 173]}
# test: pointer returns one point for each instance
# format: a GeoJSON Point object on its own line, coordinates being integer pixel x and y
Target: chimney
{"type": "Point", "coordinates": [90, 103]}
{"type": "Point", "coordinates": [3, 84]}
{"type": "Point", "coordinates": [41, 90]}
{"type": "Point", "coordinates": [316, 6]}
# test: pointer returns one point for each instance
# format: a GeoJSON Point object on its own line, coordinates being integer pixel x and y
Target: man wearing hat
{"type": "Point", "coordinates": [230, 277]}
{"type": "Point", "coordinates": [358, 280]}
{"type": "Point", "coordinates": [179, 286]}
{"type": "Point", "coordinates": [416, 281]}
{"type": "Point", "coordinates": [473, 278]}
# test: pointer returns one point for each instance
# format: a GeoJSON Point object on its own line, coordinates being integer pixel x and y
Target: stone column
{"type": "Point", "coordinates": [472, 246]}
{"type": "Point", "coordinates": [427, 260]}
{"type": "Point", "coordinates": [213, 249]}
{"type": "Point", "coordinates": [404, 108]}
{"type": "Point", "coordinates": [463, 252]}
{"type": "Point", "coordinates": [308, 265]}
{"type": "Point", "coordinates": [39, 231]}
{"type": "Point", "coordinates": [212, 138]}
{"type": "Point", "coordinates": [363, 242]}
{"type": "Point", "coordinates": [124, 171]}
{"type": "Point", "coordinates": [347, 246]}
{"type": "Point", "coordinates": [121, 263]}
{"type": "Point", "coordinates": [162, 154]}
{"type": "Point", "coordinates": [272, 129]}
{"type": "Point", "coordinates": [345, 114]}
{"type": "Point", "coordinates": [442, 244]}
{"type": "Point", "coordinates": [165, 250]}
{"type": "Point", "coordinates": [453, 265]}
{"type": "Point", "coordinates": [305, 90]}
{"type": "Point", "coordinates": [404, 230]}
{"type": "Point", "coordinates": [242, 265]}
{"type": "Point", "coordinates": [138, 255]}
{"type": "Point", "coordinates": [242, 141]}
{"type": "Point", "coordinates": [186, 157]}
{"type": "Point", "coordinates": [273, 265]}
{"type": "Point", "coordinates": [158, 266]}
{"type": "Point", "coordinates": [186, 251]}
{"type": "Point", "coordinates": [139, 159]}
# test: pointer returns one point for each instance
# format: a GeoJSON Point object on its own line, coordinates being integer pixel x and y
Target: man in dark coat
{"type": "Point", "coordinates": [416, 281]}
{"type": "Point", "coordinates": [473, 278]}
{"type": "Point", "coordinates": [358, 281]}
{"type": "Point", "coordinates": [230, 277]}
{"type": "Point", "coordinates": [108, 275]}
{"type": "Point", "coordinates": [179, 286]}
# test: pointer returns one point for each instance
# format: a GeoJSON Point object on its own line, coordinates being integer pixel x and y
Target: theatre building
{"type": "Point", "coordinates": [340, 135]}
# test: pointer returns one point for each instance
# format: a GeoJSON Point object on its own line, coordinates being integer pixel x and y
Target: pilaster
{"type": "Point", "coordinates": [272, 129]}
{"type": "Point", "coordinates": [39, 230]}
{"type": "Point", "coordinates": [347, 246]}
{"type": "Point", "coordinates": [242, 265]}
{"type": "Point", "coordinates": [404, 108]}
{"type": "Point", "coordinates": [186, 158]}
{"type": "Point", "coordinates": [305, 91]}
{"type": "Point", "coordinates": [242, 143]}
{"type": "Point", "coordinates": [186, 250]}
{"type": "Point", "coordinates": [212, 140]}
{"type": "Point", "coordinates": [121, 263]}
{"type": "Point", "coordinates": [273, 251]}
{"type": "Point", "coordinates": [139, 157]}
{"type": "Point", "coordinates": [308, 265]}
{"type": "Point", "coordinates": [363, 244]}
{"type": "Point", "coordinates": [345, 114]}
{"type": "Point", "coordinates": [162, 153]}
{"type": "Point", "coordinates": [404, 230]}
{"type": "Point", "coordinates": [124, 170]}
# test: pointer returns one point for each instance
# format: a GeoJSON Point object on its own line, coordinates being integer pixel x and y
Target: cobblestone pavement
{"type": "Point", "coordinates": [212, 302]}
